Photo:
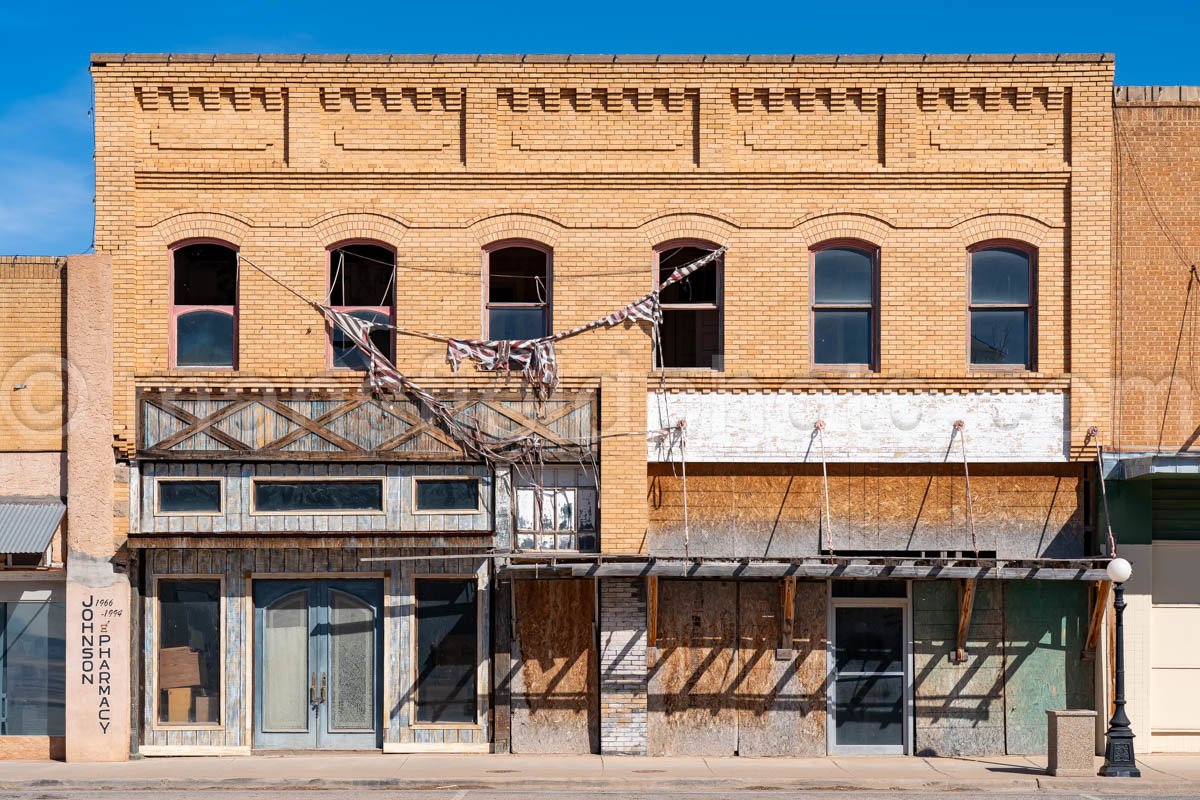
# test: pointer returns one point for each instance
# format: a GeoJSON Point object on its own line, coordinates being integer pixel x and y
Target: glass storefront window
{"type": "Point", "coordinates": [189, 652]}
{"type": "Point", "coordinates": [447, 651]}
{"type": "Point", "coordinates": [32, 672]}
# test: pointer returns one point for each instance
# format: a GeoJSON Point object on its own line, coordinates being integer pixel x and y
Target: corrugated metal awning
{"type": "Point", "coordinates": [28, 523]}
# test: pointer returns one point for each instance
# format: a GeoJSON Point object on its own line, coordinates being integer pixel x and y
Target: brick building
{"type": "Point", "coordinates": [1152, 462]}
{"type": "Point", "coordinates": [756, 528]}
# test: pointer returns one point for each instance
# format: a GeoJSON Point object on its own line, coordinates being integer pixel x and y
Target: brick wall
{"type": "Point", "coordinates": [1157, 237]}
{"type": "Point", "coordinates": [622, 666]}
{"type": "Point", "coordinates": [31, 358]}
{"type": "Point", "coordinates": [602, 162]}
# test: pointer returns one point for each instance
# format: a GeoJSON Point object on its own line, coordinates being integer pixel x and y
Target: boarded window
{"type": "Point", "coordinates": [447, 651]}
{"type": "Point", "coordinates": [691, 333]}
{"type": "Point", "coordinates": [189, 652]}
{"type": "Point", "coordinates": [32, 678]}
{"type": "Point", "coordinates": [1002, 307]}
{"type": "Point", "coordinates": [204, 305]}
{"type": "Point", "coordinates": [518, 301]}
{"type": "Point", "coordinates": [362, 283]}
{"type": "Point", "coordinates": [189, 497]}
{"type": "Point", "coordinates": [447, 494]}
{"type": "Point", "coordinates": [320, 496]}
{"type": "Point", "coordinates": [843, 311]}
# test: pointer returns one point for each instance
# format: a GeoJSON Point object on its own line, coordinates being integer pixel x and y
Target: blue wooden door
{"type": "Point", "coordinates": [317, 664]}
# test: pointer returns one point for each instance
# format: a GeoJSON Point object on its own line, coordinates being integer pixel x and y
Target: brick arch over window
{"type": "Point", "coordinates": [979, 227]}
{"type": "Point", "coordinates": [700, 226]}
{"type": "Point", "coordinates": [832, 224]}
{"type": "Point", "coordinates": [193, 224]}
{"type": "Point", "coordinates": [529, 225]}
{"type": "Point", "coordinates": [345, 225]}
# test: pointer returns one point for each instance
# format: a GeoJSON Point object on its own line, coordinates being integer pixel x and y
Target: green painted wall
{"type": "Point", "coordinates": [1045, 625]}
{"type": "Point", "coordinates": [1160, 508]}
{"type": "Point", "coordinates": [1129, 504]}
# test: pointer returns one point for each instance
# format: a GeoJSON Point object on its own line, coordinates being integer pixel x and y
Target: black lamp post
{"type": "Point", "coordinates": [1119, 761]}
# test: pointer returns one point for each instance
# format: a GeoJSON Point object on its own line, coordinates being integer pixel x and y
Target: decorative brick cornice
{"type": "Point", "coordinates": [392, 98]}
{"type": "Point", "coordinates": [209, 98]}
{"type": "Point", "coordinates": [806, 99]}
{"type": "Point", "coordinates": [585, 99]}
{"type": "Point", "coordinates": [992, 98]}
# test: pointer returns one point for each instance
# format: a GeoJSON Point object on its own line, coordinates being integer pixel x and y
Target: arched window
{"type": "Point", "coordinates": [204, 288]}
{"type": "Point", "coordinates": [362, 283]}
{"type": "Point", "coordinates": [518, 292]}
{"type": "Point", "coordinates": [1001, 305]}
{"type": "Point", "coordinates": [845, 308]}
{"type": "Point", "coordinates": [692, 330]}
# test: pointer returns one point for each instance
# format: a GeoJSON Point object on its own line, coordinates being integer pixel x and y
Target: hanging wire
{"type": "Point", "coordinates": [1093, 435]}
{"type": "Point", "coordinates": [819, 432]}
{"type": "Point", "coordinates": [960, 431]}
{"type": "Point", "coordinates": [337, 273]}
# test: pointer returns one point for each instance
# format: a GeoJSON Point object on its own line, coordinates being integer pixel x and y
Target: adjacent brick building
{"type": "Point", "coordinates": [1152, 460]}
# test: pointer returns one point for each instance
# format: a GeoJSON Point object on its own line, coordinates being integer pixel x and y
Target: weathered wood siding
{"type": "Point", "coordinates": [237, 517]}
{"type": "Point", "coordinates": [235, 567]}
{"type": "Point", "coordinates": [959, 707]}
{"type": "Point", "coordinates": [555, 700]}
{"type": "Point", "coordinates": [717, 684]}
{"type": "Point", "coordinates": [1045, 626]}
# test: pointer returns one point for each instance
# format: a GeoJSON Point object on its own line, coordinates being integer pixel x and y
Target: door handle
{"type": "Point", "coordinates": [323, 676]}
{"type": "Point", "coordinates": [312, 690]}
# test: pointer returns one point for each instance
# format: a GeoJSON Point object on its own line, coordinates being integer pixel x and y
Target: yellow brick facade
{"type": "Point", "coordinates": [602, 161]}
{"type": "Point", "coordinates": [31, 358]}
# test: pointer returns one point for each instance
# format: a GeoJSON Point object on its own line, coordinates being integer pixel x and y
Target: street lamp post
{"type": "Point", "coordinates": [1119, 761]}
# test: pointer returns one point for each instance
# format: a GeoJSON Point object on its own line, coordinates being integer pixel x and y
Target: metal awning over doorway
{"type": "Point", "coordinates": [27, 524]}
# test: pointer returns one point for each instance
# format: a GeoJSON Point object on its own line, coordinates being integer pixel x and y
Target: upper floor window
{"type": "Point", "coordinates": [518, 293]}
{"type": "Point", "coordinates": [204, 292]}
{"type": "Point", "coordinates": [845, 312]}
{"type": "Point", "coordinates": [1001, 306]}
{"type": "Point", "coordinates": [362, 283]}
{"type": "Point", "coordinates": [691, 334]}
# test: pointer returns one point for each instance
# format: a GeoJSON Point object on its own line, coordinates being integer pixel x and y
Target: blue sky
{"type": "Point", "coordinates": [45, 96]}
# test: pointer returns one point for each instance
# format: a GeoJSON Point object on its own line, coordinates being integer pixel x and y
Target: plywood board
{"type": "Point", "coordinates": [690, 702]}
{"type": "Point", "coordinates": [555, 694]}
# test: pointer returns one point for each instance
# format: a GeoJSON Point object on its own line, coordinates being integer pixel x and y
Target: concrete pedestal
{"type": "Point", "coordinates": [1071, 743]}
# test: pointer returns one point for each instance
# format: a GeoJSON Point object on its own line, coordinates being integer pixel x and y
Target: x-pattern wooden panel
{"type": "Point", "coordinates": [543, 421]}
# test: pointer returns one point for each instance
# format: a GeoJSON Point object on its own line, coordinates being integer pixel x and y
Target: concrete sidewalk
{"type": "Point", "coordinates": [373, 771]}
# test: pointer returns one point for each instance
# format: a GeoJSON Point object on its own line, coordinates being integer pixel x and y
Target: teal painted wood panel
{"type": "Point", "coordinates": [1045, 625]}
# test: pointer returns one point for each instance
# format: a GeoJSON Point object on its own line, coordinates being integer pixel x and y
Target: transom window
{"type": "Point", "coordinates": [188, 496]}
{"type": "Point", "coordinates": [446, 495]}
{"type": "Point", "coordinates": [204, 305]}
{"type": "Point", "coordinates": [362, 283]}
{"type": "Point", "coordinates": [555, 508]}
{"type": "Point", "coordinates": [518, 293]}
{"type": "Point", "coordinates": [320, 496]}
{"type": "Point", "coordinates": [1001, 306]}
{"type": "Point", "coordinates": [844, 309]}
{"type": "Point", "coordinates": [691, 334]}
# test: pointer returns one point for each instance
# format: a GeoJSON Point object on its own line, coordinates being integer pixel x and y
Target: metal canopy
{"type": "Point", "coordinates": [28, 523]}
{"type": "Point", "coordinates": [523, 566]}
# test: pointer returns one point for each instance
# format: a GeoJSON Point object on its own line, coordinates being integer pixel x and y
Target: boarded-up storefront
{"type": "Point", "coordinates": [555, 702]}
{"type": "Point", "coordinates": [722, 678]}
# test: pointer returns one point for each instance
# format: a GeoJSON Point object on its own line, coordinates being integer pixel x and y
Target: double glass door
{"type": "Point", "coordinates": [317, 664]}
{"type": "Point", "coordinates": [869, 677]}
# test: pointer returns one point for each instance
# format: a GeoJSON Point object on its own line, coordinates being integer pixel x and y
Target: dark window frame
{"type": "Point", "coordinates": [257, 480]}
{"type": "Point", "coordinates": [181, 310]}
{"type": "Point", "coordinates": [419, 479]}
{"type": "Point", "coordinates": [158, 509]}
{"type": "Point", "coordinates": [874, 251]}
{"type": "Point", "coordinates": [673, 308]}
{"type": "Point", "coordinates": [1030, 363]}
{"type": "Point", "coordinates": [480, 691]}
{"type": "Point", "coordinates": [157, 711]}
{"type": "Point", "coordinates": [488, 305]}
{"type": "Point", "coordinates": [331, 255]}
